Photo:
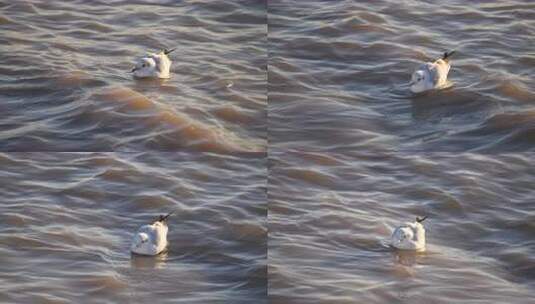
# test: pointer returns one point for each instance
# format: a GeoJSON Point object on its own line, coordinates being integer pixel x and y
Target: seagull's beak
{"type": "Point", "coordinates": [411, 83]}
{"type": "Point", "coordinates": [133, 70]}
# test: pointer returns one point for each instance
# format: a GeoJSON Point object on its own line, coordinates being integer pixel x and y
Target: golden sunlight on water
{"type": "Point", "coordinates": [64, 61]}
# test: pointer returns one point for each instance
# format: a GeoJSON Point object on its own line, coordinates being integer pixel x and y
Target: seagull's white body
{"type": "Point", "coordinates": [153, 65]}
{"type": "Point", "coordinates": [409, 236]}
{"type": "Point", "coordinates": [151, 239]}
{"type": "Point", "coordinates": [431, 75]}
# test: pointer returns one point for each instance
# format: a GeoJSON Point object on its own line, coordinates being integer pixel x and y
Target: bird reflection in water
{"type": "Point", "coordinates": [154, 262]}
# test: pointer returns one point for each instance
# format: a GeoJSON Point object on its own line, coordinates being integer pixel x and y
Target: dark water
{"type": "Point", "coordinates": [65, 86]}
{"type": "Point", "coordinates": [330, 216]}
{"type": "Point", "coordinates": [66, 220]}
{"type": "Point", "coordinates": [338, 74]}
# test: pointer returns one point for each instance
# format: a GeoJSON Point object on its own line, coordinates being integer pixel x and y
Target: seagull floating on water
{"type": "Point", "coordinates": [153, 65]}
{"type": "Point", "coordinates": [410, 236]}
{"type": "Point", "coordinates": [431, 75]}
{"type": "Point", "coordinates": [151, 239]}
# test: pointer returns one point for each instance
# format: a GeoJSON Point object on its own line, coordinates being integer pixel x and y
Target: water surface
{"type": "Point", "coordinates": [66, 220]}
{"type": "Point", "coordinates": [338, 75]}
{"type": "Point", "coordinates": [65, 83]}
{"type": "Point", "coordinates": [331, 215]}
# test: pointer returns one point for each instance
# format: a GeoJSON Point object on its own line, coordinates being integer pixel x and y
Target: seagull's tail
{"type": "Point", "coordinates": [166, 51]}
{"type": "Point", "coordinates": [163, 218]}
{"type": "Point", "coordinates": [419, 220]}
{"type": "Point", "coordinates": [447, 55]}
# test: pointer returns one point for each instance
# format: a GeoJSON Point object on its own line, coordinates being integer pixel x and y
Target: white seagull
{"type": "Point", "coordinates": [431, 75]}
{"type": "Point", "coordinates": [410, 236]}
{"type": "Point", "coordinates": [153, 65]}
{"type": "Point", "coordinates": [151, 239]}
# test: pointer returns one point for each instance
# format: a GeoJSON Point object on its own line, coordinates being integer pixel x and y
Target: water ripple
{"type": "Point", "coordinates": [67, 218]}
{"type": "Point", "coordinates": [369, 49]}
{"type": "Point", "coordinates": [61, 53]}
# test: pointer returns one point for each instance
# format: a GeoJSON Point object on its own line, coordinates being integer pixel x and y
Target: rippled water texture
{"type": "Point", "coordinates": [330, 217]}
{"type": "Point", "coordinates": [338, 75]}
{"type": "Point", "coordinates": [66, 221]}
{"type": "Point", "coordinates": [65, 82]}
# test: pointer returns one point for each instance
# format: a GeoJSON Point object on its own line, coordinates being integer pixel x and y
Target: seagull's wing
{"type": "Point", "coordinates": [158, 60]}
{"type": "Point", "coordinates": [432, 72]}
{"type": "Point", "coordinates": [397, 232]}
{"type": "Point", "coordinates": [402, 230]}
{"type": "Point", "coordinates": [150, 231]}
